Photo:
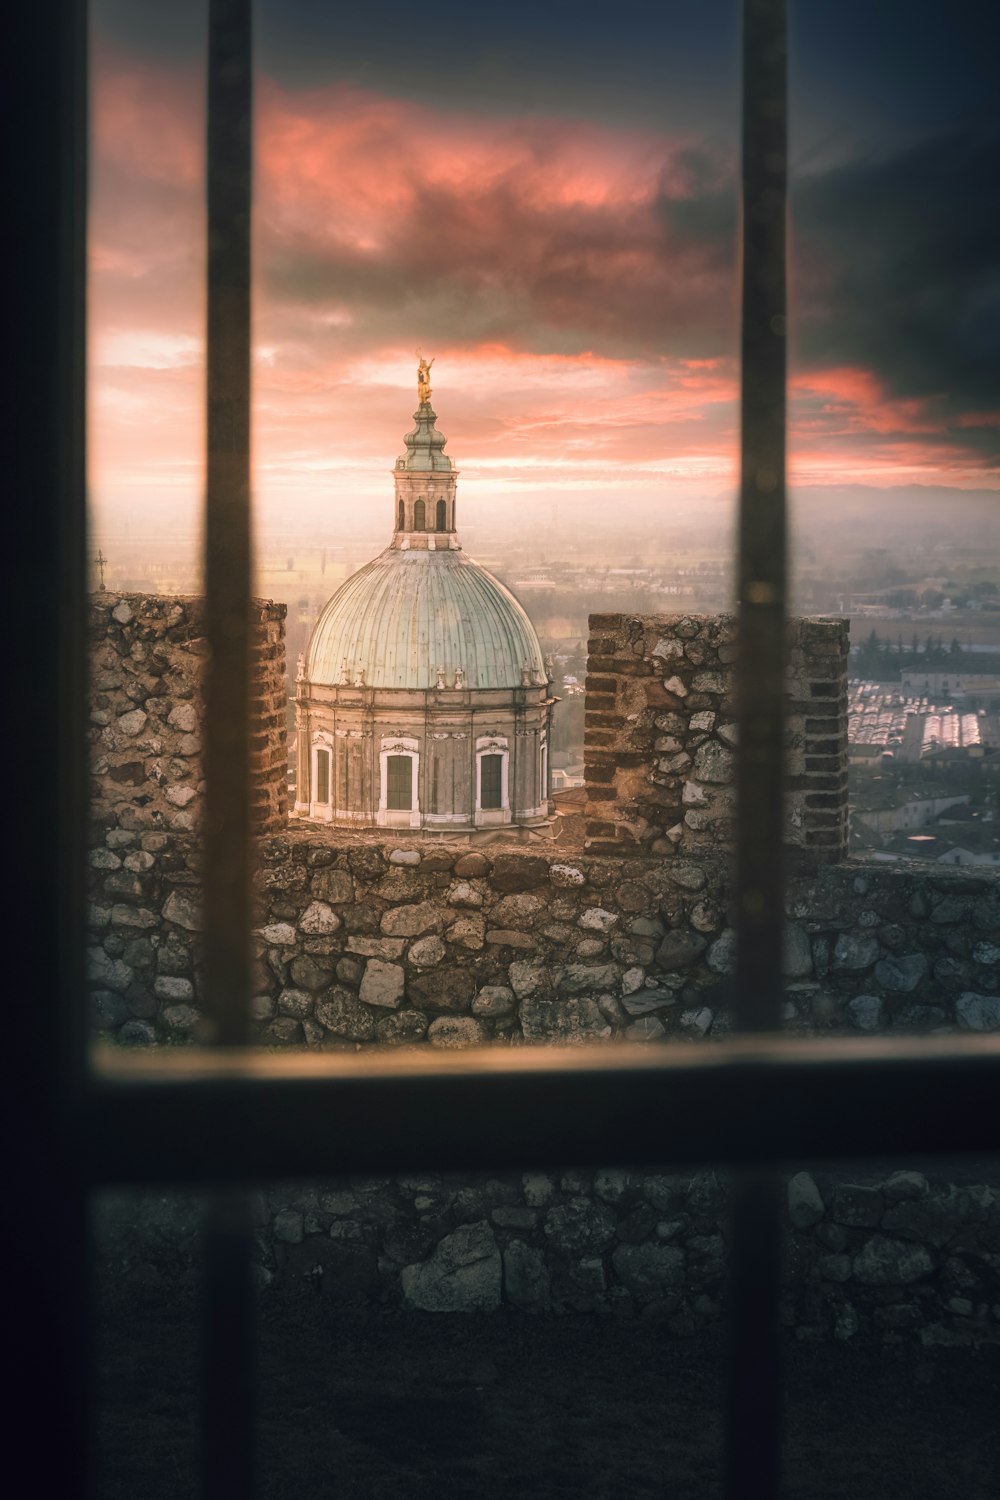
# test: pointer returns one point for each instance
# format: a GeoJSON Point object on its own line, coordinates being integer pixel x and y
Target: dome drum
{"type": "Point", "coordinates": [395, 768]}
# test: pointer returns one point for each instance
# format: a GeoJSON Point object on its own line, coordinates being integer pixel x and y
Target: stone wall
{"type": "Point", "coordinates": [660, 735]}
{"type": "Point", "coordinates": [367, 942]}
{"type": "Point", "coordinates": [894, 1256]}
{"type": "Point", "coordinates": [148, 657]}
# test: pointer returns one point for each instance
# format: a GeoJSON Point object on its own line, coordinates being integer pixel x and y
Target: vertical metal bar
{"type": "Point", "coordinates": [228, 1312]}
{"type": "Point", "coordinates": [754, 1398]}
{"type": "Point", "coordinates": [754, 1406]}
{"type": "Point", "coordinates": [227, 524]}
{"type": "Point", "coordinates": [228, 1350]}
{"type": "Point", "coordinates": [44, 134]}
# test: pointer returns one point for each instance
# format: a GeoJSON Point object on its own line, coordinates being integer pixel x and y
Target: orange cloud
{"type": "Point", "coordinates": [346, 154]}
{"type": "Point", "coordinates": [857, 399]}
{"type": "Point", "coordinates": [576, 283]}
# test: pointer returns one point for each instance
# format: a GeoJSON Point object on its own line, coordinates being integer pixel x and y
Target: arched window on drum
{"type": "Point", "coordinates": [419, 516]}
{"type": "Point", "coordinates": [442, 516]}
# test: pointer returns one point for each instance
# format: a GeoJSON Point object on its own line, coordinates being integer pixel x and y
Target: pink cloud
{"type": "Point", "coordinates": [856, 398]}
{"type": "Point", "coordinates": [581, 326]}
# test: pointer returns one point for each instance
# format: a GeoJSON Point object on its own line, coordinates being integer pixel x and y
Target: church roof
{"type": "Point", "coordinates": [410, 611]}
{"type": "Point", "coordinates": [425, 445]}
{"type": "Point", "coordinates": [422, 608]}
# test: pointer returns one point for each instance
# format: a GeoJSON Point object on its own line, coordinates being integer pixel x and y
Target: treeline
{"type": "Point", "coordinates": [885, 660]}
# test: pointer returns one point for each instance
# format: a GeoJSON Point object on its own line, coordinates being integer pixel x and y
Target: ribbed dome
{"type": "Point", "coordinates": [408, 612]}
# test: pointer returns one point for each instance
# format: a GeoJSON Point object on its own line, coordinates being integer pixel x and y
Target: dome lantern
{"type": "Point", "coordinates": [425, 480]}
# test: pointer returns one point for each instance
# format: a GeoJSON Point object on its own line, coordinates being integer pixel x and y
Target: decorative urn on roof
{"type": "Point", "coordinates": [424, 700]}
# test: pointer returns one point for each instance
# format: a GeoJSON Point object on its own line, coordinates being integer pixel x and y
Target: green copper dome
{"type": "Point", "coordinates": [425, 445]}
{"type": "Point", "coordinates": [408, 613]}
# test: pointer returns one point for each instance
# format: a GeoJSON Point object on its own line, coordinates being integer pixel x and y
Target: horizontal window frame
{"type": "Point", "coordinates": [234, 1116]}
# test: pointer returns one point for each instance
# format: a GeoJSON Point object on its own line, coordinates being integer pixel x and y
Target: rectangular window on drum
{"type": "Point", "coordinates": [399, 783]}
{"type": "Point", "coordinates": [490, 784]}
{"type": "Point", "coordinates": [322, 775]}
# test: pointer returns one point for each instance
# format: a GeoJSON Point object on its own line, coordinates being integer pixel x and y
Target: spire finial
{"type": "Point", "coordinates": [423, 380]}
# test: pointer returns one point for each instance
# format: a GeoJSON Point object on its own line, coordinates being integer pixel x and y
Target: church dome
{"type": "Point", "coordinates": [411, 611]}
{"type": "Point", "coordinates": [422, 700]}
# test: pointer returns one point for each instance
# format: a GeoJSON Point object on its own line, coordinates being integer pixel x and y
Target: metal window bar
{"type": "Point", "coordinates": [753, 1448]}
{"type": "Point", "coordinates": [227, 1319]}
{"type": "Point", "coordinates": [230, 1117]}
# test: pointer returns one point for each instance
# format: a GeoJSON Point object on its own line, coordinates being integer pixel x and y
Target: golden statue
{"type": "Point", "coordinates": [424, 381]}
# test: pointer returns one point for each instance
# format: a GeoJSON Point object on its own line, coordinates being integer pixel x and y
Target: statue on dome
{"type": "Point", "coordinates": [424, 381]}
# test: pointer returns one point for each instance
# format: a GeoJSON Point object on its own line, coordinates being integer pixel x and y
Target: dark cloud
{"type": "Point", "coordinates": [505, 260]}
{"type": "Point", "coordinates": [894, 271]}
{"type": "Point", "coordinates": [897, 269]}
{"type": "Point", "coordinates": [479, 120]}
{"type": "Point", "coordinates": [671, 63]}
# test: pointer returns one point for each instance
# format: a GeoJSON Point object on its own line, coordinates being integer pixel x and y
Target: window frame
{"type": "Point", "coordinates": [403, 788]}
{"type": "Point", "coordinates": [495, 761]}
{"type": "Point", "coordinates": [493, 744]}
{"type": "Point", "coordinates": [321, 807]}
{"type": "Point", "coordinates": [390, 817]}
{"type": "Point", "coordinates": [85, 1122]}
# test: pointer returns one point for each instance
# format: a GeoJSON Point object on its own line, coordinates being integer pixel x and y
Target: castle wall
{"type": "Point", "coordinates": [892, 1255]}
{"type": "Point", "coordinates": [660, 735]}
{"type": "Point", "coordinates": [365, 940]}
{"type": "Point", "coordinates": [148, 657]}
{"type": "Point", "coordinates": [360, 943]}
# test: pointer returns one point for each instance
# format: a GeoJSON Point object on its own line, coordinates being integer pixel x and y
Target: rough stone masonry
{"type": "Point", "coordinates": [660, 736]}
{"type": "Point", "coordinates": [365, 942]}
{"type": "Point", "coordinates": [147, 663]}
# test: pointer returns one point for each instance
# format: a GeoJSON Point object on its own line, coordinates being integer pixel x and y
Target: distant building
{"type": "Point", "coordinates": [977, 845]}
{"type": "Point", "coordinates": [884, 815]}
{"type": "Point", "coordinates": [423, 698]}
{"type": "Point", "coordinates": [966, 690]}
{"type": "Point", "coordinates": [917, 727]}
{"type": "Point", "coordinates": [564, 778]}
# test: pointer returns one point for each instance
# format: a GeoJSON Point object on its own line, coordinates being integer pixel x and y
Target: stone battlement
{"type": "Point", "coordinates": [660, 735]}
{"type": "Point", "coordinates": [148, 657]}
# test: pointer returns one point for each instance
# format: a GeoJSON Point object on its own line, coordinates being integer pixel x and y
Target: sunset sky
{"type": "Point", "coordinates": [543, 198]}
